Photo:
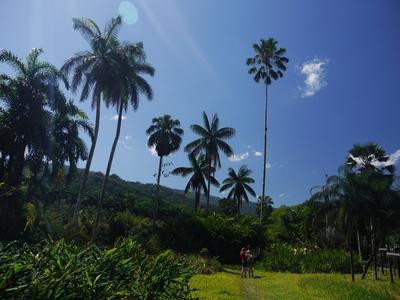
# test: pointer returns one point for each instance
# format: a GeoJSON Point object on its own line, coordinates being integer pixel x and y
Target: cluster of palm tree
{"type": "Point", "coordinates": [113, 71]}
{"type": "Point", "coordinates": [39, 126]}
{"type": "Point", "coordinates": [363, 198]}
{"type": "Point", "coordinates": [165, 135]}
{"type": "Point", "coordinates": [39, 129]}
{"type": "Point", "coordinates": [267, 65]}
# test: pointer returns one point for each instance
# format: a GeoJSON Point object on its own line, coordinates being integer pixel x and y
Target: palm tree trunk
{"type": "Point", "coordinates": [2, 165]}
{"type": "Point", "coordinates": [16, 165]}
{"type": "Point", "coordinates": [208, 183]}
{"type": "Point", "coordinates": [156, 200]}
{"type": "Point", "coordinates": [197, 199]}
{"type": "Point", "coordinates": [265, 149]}
{"type": "Point", "coordinates": [326, 226]}
{"type": "Point", "coordinates": [359, 244]}
{"type": "Point", "coordinates": [110, 160]}
{"type": "Point", "coordinates": [89, 160]}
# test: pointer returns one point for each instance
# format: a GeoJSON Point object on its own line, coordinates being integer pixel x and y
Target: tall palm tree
{"type": "Point", "coordinates": [268, 64]}
{"type": "Point", "coordinates": [265, 204]}
{"type": "Point", "coordinates": [199, 171]}
{"type": "Point", "coordinates": [94, 70]}
{"type": "Point", "coordinates": [211, 140]}
{"type": "Point", "coordinates": [239, 185]}
{"type": "Point", "coordinates": [165, 135]}
{"type": "Point", "coordinates": [128, 84]}
{"type": "Point", "coordinates": [28, 100]}
{"type": "Point", "coordinates": [370, 163]}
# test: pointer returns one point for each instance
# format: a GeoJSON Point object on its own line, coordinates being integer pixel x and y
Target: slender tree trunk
{"type": "Point", "coordinates": [265, 150]}
{"type": "Point", "coordinates": [350, 240]}
{"type": "Point", "coordinates": [89, 160]}
{"type": "Point", "coordinates": [110, 160]}
{"type": "Point", "coordinates": [156, 200]}
{"type": "Point", "coordinates": [196, 199]}
{"type": "Point", "coordinates": [326, 226]}
{"type": "Point", "coordinates": [208, 183]}
{"type": "Point", "coordinates": [2, 165]}
{"type": "Point", "coordinates": [16, 165]}
{"type": "Point", "coordinates": [238, 205]}
{"type": "Point", "coordinates": [359, 244]}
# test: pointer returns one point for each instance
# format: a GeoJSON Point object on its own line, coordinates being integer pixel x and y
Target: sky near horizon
{"type": "Point", "coordinates": [341, 86]}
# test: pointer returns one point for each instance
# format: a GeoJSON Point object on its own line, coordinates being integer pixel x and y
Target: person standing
{"type": "Point", "coordinates": [250, 262]}
{"type": "Point", "coordinates": [243, 260]}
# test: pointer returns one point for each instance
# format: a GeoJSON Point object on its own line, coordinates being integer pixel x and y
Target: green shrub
{"type": "Point", "coordinates": [62, 270]}
{"type": "Point", "coordinates": [223, 237]}
{"type": "Point", "coordinates": [203, 264]}
{"type": "Point", "coordinates": [285, 258]}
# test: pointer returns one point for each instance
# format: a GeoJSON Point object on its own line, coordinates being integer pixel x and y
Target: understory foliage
{"type": "Point", "coordinates": [61, 270]}
{"type": "Point", "coordinates": [221, 236]}
{"type": "Point", "coordinates": [282, 257]}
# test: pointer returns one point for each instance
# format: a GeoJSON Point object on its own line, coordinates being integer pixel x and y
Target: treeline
{"type": "Point", "coordinates": [41, 143]}
{"type": "Point", "coordinates": [358, 208]}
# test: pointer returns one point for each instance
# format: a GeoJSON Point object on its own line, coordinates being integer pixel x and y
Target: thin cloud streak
{"type": "Point", "coordinates": [239, 157]}
{"type": "Point", "coordinates": [115, 118]}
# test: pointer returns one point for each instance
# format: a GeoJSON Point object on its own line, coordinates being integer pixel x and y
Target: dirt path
{"type": "Point", "coordinates": [248, 288]}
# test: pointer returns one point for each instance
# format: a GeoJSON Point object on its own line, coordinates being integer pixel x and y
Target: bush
{"type": "Point", "coordinates": [65, 271]}
{"type": "Point", "coordinates": [285, 258]}
{"type": "Point", "coordinates": [223, 237]}
{"type": "Point", "coordinates": [203, 264]}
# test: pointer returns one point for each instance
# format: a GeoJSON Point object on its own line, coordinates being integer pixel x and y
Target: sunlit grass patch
{"type": "Point", "coordinates": [269, 285]}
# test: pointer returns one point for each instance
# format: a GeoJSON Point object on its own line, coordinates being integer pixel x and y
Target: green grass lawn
{"type": "Point", "coordinates": [228, 285]}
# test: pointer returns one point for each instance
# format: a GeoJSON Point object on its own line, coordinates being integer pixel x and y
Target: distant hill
{"type": "Point", "coordinates": [119, 188]}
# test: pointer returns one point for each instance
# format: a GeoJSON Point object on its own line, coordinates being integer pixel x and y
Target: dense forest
{"type": "Point", "coordinates": [48, 204]}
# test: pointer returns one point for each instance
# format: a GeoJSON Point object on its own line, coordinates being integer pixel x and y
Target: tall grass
{"type": "Point", "coordinates": [58, 270]}
{"type": "Point", "coordinates": [285, 258]}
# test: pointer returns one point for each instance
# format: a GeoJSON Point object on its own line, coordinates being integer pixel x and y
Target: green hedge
{"type": "Point", "coordinates": [286, 258]}
{"type": "Point", "coordinates": [58, 270]}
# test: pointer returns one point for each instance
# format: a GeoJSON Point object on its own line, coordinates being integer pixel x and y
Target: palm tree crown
{"type": "Point", "coordinates": [199, 170]}
{"type": "Point", "coordinates": [239, 185]}
{"type": "Point", "coordinates": [28, 102]}
{"type": "Point", "coordinates": [165, 135]}
{"type": "Point", "coordinates": [264, 204]}
{"type": "Point", "coordinates": [268, 62]}
{"type": "Point", "coordinates": [211, 140]}
{"type": "Point", "coordinates": [369, 157]}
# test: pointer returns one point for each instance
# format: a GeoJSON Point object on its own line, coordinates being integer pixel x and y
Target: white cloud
{"type": "Point", "coordinates": [153, 151]}
{"type": "Point", "coordinates": [125, 144]}
{"type": "Point", "coordinates": [128, 137]}
{"type": "Point", "coordinates": [257, 153]}
{"type": "Point", "coordinates": [239, 157]}
{"type": "Point", "coordinates": [268, 165]}
{"type": "Point", "coordinates": [315, 76]}
{"type": "Point", "coordinates": [115, 118]}
{"type": "Point", "coordinates": [282, 195]}
{"type": "Point", "coordinates": [393, 159]}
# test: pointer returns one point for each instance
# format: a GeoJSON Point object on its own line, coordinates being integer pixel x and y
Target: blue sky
{"type": "Point", "coordinates": [341, 86]}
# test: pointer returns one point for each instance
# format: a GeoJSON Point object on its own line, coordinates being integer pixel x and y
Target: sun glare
{"type": "Point", "coordinates": [128, 12]}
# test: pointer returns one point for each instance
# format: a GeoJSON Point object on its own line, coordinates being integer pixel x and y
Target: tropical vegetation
{"type": "Point", "coordinates": [72, 233]}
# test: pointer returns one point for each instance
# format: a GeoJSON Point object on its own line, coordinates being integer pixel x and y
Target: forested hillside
{"type": "Point", "coordinates": [139, 196]}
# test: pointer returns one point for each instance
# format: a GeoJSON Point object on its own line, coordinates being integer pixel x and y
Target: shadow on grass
{"type": "Point", "coordinates": [235, 271]}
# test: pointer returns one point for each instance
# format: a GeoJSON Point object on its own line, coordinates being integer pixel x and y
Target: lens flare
{"type": "Point", "coordinates": [128, 12]}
